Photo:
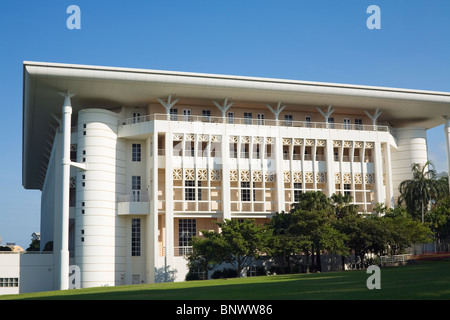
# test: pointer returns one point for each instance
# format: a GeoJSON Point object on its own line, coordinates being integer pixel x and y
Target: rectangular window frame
{"type": "Point", "coordinates": [136, 152]}
{"type": "Point", "coordinates": [135, 237]}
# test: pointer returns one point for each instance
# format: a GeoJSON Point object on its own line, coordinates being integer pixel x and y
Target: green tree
{"type": "Point", "coordinates": [417, 193]}
{"type": "Point", "coordinates": [207, 252]}
{"type": "Point", "coordinates": [439, 220]}
{"type": "Point", "coordinates": [343, 206]}
{"type": "Point", "coordinates": [243, 242]}
{"type": "Point", "coordinates": [34, 245]}
{"type": "Point", "coordinates": [311, 225]}
{"type": "Point", "coordinates": [283, 245]}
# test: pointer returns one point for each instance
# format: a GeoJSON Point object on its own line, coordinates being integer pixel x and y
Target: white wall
{"type": "Point", "coordinates": [35, 272]}
{"type": "Point", "coordinates": [412, 148]}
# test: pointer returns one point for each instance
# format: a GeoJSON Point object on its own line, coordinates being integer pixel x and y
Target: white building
{"type": "Point", "coordinates": [132, 163]}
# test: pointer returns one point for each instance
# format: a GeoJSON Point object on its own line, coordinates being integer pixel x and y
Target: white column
{"type": "Point", "coordinates": [447, 143]}
{"type": "Point", "coordinates": [280, 173]}
{"type": "Point", "coordinates": [277, 110]}
{"type": "Point", "coordinates": [326, 114]}
{"type": "Point", "coordinates": [224, 108]}
{"type": "Point", "coordinates": [374, 117]}
{"type": "Point", "coordinates": [167, 105]}
{"type": "Point", "coordinates": [169, 194]}
{"type": "Point", "coordinates": [63, 264]}
{"type": "Point", "coordinates": [388, 166]}
{"type": "Point", "coordinates": [330, 168]}
{"type": "Point", "coordinates": [225, 158]}
{"type": "Point", "coordinates": [378, 166]}
{"type": "Point", "coordinates": [152, 219]}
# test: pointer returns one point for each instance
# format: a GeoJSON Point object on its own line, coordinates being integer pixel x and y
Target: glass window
{"type": "Point", "coordinates": [347, 124]}
{"type": "Point", "coordinates": [247, 118]}
{"type": "Point", "coordinates": [136, 152]}
{"type": "Point", "coordinates": [187, 228]}
{"type": "Point", "coordinates": [206, 114]}
{"type": "Point", "coordinates": [245, 191]}
{"type": "Point", "coordinates": [136, 188]}
{"type": "Point", "coordinates": [136, 117]}
{"type": "Point", "coordinates": [230, 117]}
{"type": "Point", "coordinates": [260, 117]}
{"type": "Point", "coordinates": [288, 120]}
{"type": "Point", "coordinates": [173, 114]}
{"type": "Point", "coordinates": [135, 237]}
{"type": "Point", "coordinates": [297, 191]}
{"type": "Point", "coordinates": [347, 189]}
{"type": "Point", "coordinates": [189, 190]}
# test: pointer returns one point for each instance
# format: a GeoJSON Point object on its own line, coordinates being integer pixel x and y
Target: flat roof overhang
{"type": "Point", "coordinates": [108, 87]}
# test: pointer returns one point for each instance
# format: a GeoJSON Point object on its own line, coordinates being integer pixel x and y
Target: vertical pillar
{"type": "Point", "coordinates": [152, 218]}
{"type": "Point", "coordinates": [276, 111]}
{"type": "Point", "coordinates": [279, 182]}
{"type": "Point", "coordinates": [63, 264]}
{"type": "Point", "coordinates": [169, 194]}
{"type": "Point", "coordinates": [388, 166]}
{"type": "Point", "coordinates": [447, 143]}
{"type": "Point", "coordinates": [224, 108]}
{"type": "Point", "coordinates": [326, 114]}
{"type": "Point", "coordinates": [331, 187]}
{"type": "Point", "coordinates": [167, 105]}
{"type": "Point", "coordinates": [378, 166]}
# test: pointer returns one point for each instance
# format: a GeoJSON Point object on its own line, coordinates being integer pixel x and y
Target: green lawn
{"type": "Point", "coordinates": [422, 280]}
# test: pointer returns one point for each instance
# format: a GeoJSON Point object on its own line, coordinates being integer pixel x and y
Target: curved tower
{"type": "Point", "coordinates": [99, 236]}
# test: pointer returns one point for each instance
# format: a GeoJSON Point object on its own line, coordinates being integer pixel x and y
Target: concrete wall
{"type": "Point", "coordinates": [34, 272]}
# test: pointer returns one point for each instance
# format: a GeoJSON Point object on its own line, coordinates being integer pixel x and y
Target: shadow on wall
{"type": "Point", "coordinates": [165, 274]}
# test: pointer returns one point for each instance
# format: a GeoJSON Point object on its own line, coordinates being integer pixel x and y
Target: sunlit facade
{"type": "Point", "coordinates": [157, 156]}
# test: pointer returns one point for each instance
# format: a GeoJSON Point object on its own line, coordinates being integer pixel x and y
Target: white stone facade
{"type": "Point", "coordinates": [148, 174]}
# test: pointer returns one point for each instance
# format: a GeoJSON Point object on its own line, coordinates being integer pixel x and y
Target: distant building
{"type": "Point", "coordinates": [36, 236]}
{"type": "Point", "coordinates": [136, 162]}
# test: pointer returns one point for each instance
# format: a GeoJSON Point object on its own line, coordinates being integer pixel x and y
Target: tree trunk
{"type": "Point", "coordinates": [307, 261]}
{"type": "Point", "coordinates": [318, 264]}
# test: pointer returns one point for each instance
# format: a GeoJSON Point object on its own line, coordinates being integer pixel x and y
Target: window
{"type": "Point", "coordinates": [308, 121]}
{"type": "Point", "coordinates": [347, 124]}
{"type": "Point", "coordinates": [230, 117]}
{"type": "Point", "coordinates": [245, 191]}
{"type": "Point", "coordinates": [136, 188]}
{"type": "Point", "coordinates": [9, 282]}
{"type": "Point", "coordinates": [247, 118]}
{"type": "Point", "coordinates": [358, 124]}
{"type": "Point", "coordinates": [288, 120]}
{"type": "Point", "coordinates": [135, 237]}
{"type": "Point", "coordinates": [187, 228]}
{"type": "Point", "coordinates": [297, 191]}
{"type": "Point", "coordinates": [189, 190]}
{"type": "Point", "coordinates": [136, 117]}
{"type": "Point", "coordinates": [173, 114]}
{"type": "Point", "coordinates": [186, 114]}
{"type": "Point", "coordinates": [199, 190]}
{"type": "Point", "coordinates": [331, 123]}
{"type": "Point", "coordinates": [206, 114]}
{"type": "Point", "coordinates": [72, 191]}
{"type": "Point", "coordinates": [73, 152]}
{"type": "Point", "coordinates": [136, 152]}
{"type": "Point", "coordinates": [347, 189]}
{"type": "Point", "coordinates": [260, 117]}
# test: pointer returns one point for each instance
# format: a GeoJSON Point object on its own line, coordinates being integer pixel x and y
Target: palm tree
{"type": "Point", "coordinates": [418, 192]}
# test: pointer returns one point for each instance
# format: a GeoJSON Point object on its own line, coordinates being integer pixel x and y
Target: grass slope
{"type": "Point", "coordinates": [422, 280]}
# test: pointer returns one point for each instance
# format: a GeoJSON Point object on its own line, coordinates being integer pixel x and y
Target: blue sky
{"type": "Point", "coordinates": [304, 40]}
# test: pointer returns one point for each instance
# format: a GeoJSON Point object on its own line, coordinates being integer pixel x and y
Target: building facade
{"type": "Point", "coordinates": [133, 163]}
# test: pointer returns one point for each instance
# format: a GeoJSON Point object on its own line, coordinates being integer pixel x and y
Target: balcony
{"type": "Point", "coordinates": [133, 205]}
{"type": "Point", "coordinates": [256, 122]}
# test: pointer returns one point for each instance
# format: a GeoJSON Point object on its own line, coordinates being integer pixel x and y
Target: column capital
{"type": "Point", "coordinates": [67, 96]}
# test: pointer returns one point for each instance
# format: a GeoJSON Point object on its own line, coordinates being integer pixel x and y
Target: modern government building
{"type": "Point", "coordinates": [132, 163]}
